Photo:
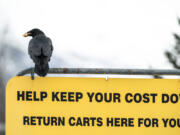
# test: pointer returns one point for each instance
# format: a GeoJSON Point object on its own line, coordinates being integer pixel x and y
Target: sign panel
{"type": "Point", "coordinates": [92, 106]}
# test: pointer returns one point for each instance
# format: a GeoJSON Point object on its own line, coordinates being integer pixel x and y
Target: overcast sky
{"type": "Point", "coordinates": [98, 33]}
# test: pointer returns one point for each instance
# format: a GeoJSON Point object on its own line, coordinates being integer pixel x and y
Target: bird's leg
{"type": "Point", "coordinates": [32, 74]}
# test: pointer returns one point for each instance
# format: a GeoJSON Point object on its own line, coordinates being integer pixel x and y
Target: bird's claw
{"type": "Point", "coordinates": [32, 74]}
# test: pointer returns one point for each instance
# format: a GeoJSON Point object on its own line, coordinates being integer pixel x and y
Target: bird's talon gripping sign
{"type": "Point", "coordinates": [86, 106]}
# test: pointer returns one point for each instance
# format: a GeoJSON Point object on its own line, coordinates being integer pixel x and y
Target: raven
{"type": "Point", "coordinates": [40, 50]}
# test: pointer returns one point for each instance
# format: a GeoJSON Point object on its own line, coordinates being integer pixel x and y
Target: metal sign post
{"type": "Point", "coordinates": [105, 71]}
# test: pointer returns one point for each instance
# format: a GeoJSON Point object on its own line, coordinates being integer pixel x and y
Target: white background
{"type": "Point", "coordinates": [98, 33]}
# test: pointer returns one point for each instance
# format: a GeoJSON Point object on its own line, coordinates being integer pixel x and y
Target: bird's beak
{"type": "Point", "coordinates": [26, 34]}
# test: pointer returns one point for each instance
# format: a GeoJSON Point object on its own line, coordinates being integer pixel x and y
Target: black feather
{"type": "Point", "coordinates": [40, 50]}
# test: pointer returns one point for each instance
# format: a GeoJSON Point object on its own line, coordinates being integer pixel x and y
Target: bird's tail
{"type": "Point", "coordinates": [42, 70]}
{"type": "Point", "coordinates": [42, 67]}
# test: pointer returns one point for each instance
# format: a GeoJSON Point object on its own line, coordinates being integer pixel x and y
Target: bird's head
{"type": "Point", "coordinates": [33, 33]}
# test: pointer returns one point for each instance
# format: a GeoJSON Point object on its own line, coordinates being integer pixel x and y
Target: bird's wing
{"type": "Point", "coordinates": [48, 47]}
{"type": "Point", "coordinates": [34, 48]}
{"type": "Point", "coordinates": [40, 46]}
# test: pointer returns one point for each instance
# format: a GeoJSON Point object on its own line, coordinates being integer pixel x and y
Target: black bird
{"type": "Point", "coordinates": [40, 50]}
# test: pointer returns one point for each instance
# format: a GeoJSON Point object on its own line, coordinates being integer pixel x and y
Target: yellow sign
{"type": "Point", "coordinates": [92, 106]}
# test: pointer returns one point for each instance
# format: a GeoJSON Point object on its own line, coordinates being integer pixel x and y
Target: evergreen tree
{"type": "Point", "coordinates": [173, 55]}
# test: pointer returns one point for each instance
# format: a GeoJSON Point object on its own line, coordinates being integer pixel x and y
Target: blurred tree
{"type": "Point", "coordinates": [11, 59]}
{"type": "Point", "coordinates": [174, 54]}
{"type": "Point", "coordinates": [2, 85]}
